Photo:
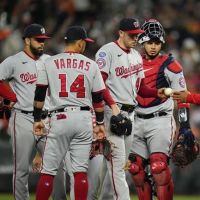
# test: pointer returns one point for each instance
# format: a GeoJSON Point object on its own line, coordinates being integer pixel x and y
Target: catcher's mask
{"type": "Point", "coordinates": [153, 30]}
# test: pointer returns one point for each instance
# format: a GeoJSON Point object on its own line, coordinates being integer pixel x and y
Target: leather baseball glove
{"type": "Point", "coordinates": [120, 125]}
{"type": "Point", "coordinates": [5, 112]}
{"type": "Point", "coordinates": [101, 147]}
{"type": "Point", "coordinates": [186, 148]}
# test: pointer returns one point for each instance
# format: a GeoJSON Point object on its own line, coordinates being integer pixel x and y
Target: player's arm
{"type": "Point", "coordinates": [6, 92]}
{"type": "Point", "coordinates": [104, 59]}
{"type": "Point", "coordinates": [98, 105]}
{"type": "Point", "coordinates": [146, 92]}
{"type": "Point", "coordinates": [174, 72]}
{"type": "Point", "coordinates": [108, 98]}
{"type": "Point", "coordinates": [40, 94]}
{"type": "Point", "coordinates": [187, 97]}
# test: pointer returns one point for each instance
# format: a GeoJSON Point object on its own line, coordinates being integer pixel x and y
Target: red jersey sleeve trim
{"type": "Point", "coordinates": [175, 67]}
{"type": "Point", "coordinates": [106, 93]}
{"type": "Point", "coordinates": [183, 105]}
{"type": "Point", "coordinates": [193, 98]}
{"type": "Point", "coordinates": [7, 93]}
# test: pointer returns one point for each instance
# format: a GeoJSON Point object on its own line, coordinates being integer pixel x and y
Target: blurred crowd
{"type": "Point", "coordinates": [180, 18]}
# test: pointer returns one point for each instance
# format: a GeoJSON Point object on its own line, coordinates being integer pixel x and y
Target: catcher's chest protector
{"type": "Point", "coordinates": [155, 78]}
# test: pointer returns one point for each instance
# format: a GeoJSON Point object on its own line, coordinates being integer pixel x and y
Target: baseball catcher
{"type": "Point", "coordinates": [101, 146]}
{"type": "Point", "coordinates": [120, 125]}
{"type": "Point", "coordinates": [186, 148]}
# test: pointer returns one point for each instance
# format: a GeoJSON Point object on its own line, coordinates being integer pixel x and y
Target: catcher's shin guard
{"type": "Point", "coordinates": [138, 174]}
{"type": "Point", "coordinates": [162, 176]}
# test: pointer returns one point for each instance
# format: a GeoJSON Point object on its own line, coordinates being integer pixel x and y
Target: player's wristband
{"type": "Point", "coordinates": [99, 123]}
{"type": "Point", "coordinates": [99, 118]}
{"type": "Point", "coordinates": [37, 112]}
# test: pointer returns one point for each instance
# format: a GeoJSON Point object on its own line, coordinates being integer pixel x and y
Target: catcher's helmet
{"type": "Point", "coordinates": [152, 30]}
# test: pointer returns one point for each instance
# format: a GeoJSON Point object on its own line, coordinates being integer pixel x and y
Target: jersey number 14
{"type": "Point", "coordinates": [77, 86]}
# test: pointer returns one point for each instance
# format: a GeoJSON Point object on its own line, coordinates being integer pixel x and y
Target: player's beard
{"type": "Point", "coordinates": [151, 57]}
{"type": "Point", "coordinates": [36, 52]}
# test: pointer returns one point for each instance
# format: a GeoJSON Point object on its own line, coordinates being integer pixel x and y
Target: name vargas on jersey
{"type": "Point", "coordinates": [72, 63]}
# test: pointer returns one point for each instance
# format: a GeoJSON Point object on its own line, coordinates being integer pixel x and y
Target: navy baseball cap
{"type": "Point", "coordinates": [130, 25]}
{"type": "Point", "coordinates": [77, 33]}
{"type": "Point", "coordinates": [35, 31]}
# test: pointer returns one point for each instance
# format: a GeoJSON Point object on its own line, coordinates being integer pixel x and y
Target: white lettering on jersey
{"type": "Point", "coordinates": [124, 72]}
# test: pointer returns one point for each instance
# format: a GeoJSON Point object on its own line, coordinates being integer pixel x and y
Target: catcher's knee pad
{"type": "Point", "coordinates": [137, 169]}
{"type": "Point", "coordinates": [159, 168]}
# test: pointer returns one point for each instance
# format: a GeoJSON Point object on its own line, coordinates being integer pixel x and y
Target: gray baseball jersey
{"type": "Point", "coordinates": [71, 78]}
{"type": "Point", "coordinates": [125, 71]}
{"type": "Point", "coordinates": [21, 71]}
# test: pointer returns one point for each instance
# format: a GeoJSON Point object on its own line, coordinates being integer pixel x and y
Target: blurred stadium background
{"type": "Point", "coordinates": [180, 18]}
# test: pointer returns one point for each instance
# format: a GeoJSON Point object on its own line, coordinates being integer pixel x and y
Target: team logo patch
{"type": "Point", "coordinates": [182, 82]}
{"type": "Point", "coordinates": [136, 24]}
{"type": "Point", "coordinates": [102, 54]}
{"type": "Point", "coordinates": [42, 30]}
{"type": "Point", "coordinates": [101, 63]}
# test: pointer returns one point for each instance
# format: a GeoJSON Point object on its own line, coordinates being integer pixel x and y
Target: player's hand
{"type": "Point", "coordinates": [161, 93]}
{"type": "Point", "coordinates": [181, 96]}
{"type": "Point", "coordinates": [37, 163]}
{"type": "Point", "coordinates": [115, 109]}
{"type": "Point", "coordinates": [38, 128]}
{"type": "Point", "coordinates": [127, 165]}
{"type": "Point", "coordinates": [99, 132]}
{"type": "Point", "coordinates": [11, 104]}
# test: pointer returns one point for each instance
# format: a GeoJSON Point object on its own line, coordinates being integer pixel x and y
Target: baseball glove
{"type": "Point", "coordinates": [186, 148]}
{"type": "Point", "coordinates": [101, 147]}
{"type": "Point", "coordinates": [120, 125]}
{"type": "Point", "coordinates": [5, 112]}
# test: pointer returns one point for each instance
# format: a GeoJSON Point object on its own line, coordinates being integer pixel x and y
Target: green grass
{"type": "Point", "coordinates": [9, 197]}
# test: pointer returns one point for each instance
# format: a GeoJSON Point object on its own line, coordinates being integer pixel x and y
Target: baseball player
{"type": "Point", "coordinates": [75, 85]}
{"type": "Point", "coordinates": [21, 72]}
{"type": "Point", "coordinates": [122, 70]}
{"type": "Point", "coordinates": [155, 127]}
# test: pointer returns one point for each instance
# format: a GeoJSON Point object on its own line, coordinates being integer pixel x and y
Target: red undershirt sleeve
{"type": "Point", "coordinates": [193, 98]}
{"type": "Point", "coordinates": [106, 93]}
{"type": "Point", "coordinates": [7, 93]}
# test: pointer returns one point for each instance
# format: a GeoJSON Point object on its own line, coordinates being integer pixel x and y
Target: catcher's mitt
{"type": "Point", "coordinates": [101, 146]}
{"type": "Point", "coordinates": [120, 125]}
{"type": "Point", "coordinates": [186, 149]}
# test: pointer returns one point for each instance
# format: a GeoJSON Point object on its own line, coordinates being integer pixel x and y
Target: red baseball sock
{"type": "Point", "coordinates": [44, 187]}
{"type": "Point", "coordinates": [80, 186]}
